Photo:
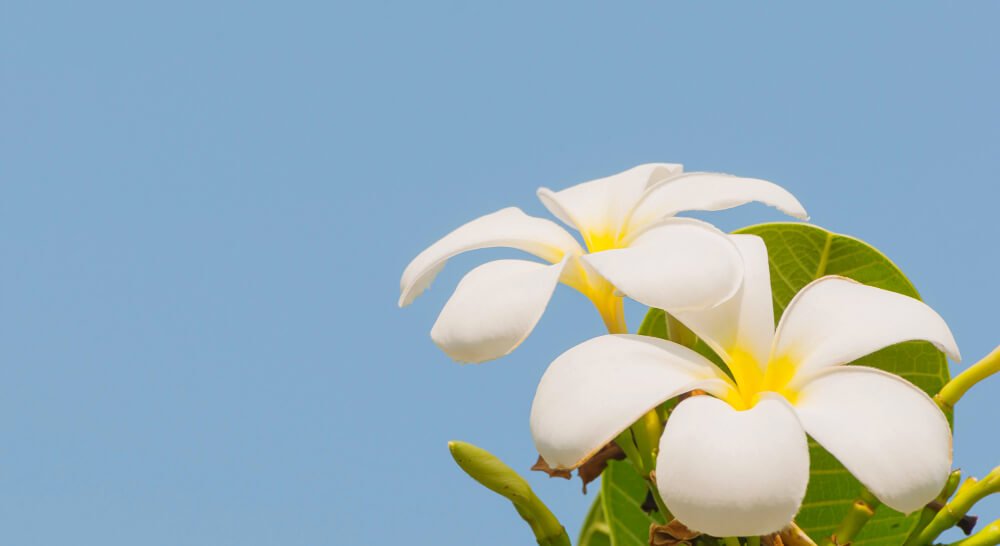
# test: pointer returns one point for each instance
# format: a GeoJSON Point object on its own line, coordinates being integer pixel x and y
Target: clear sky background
{"type": "Point", "coordinates": [205, 208]}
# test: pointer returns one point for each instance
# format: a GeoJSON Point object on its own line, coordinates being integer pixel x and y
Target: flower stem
{"type": "Point", "coordinates": [971, 492]}
{"type": "Point", "coordinates": [732, 541]}
{"type": "Point", "coordinates": [625, 441]}
{"type": "Point", "coordinates": [647, 431]}
{"type": "Point", "coordinates": [957, 387]}
{"type": "Point", "coordinates": [660, 505]}
{"type": "Point", "coordinates": [862, 510]}
{"type": "Point", "coordinates": [931, 510]}
{"type": "Point", "coordinates": [753, 541]}
{"type": "Point", "coordinates": [643, 465]}
{"type": "Point", "coordinates": [987, 536]}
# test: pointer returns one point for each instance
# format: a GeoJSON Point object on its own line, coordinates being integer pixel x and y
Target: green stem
{"type": "Point", "coordinates": [862, 510]}
{"type": "Point", "coordinates": [660, 505]}
{"type": "Point", "coordinates": [647, 431]}
{"type": "Point", "coordinates": [643, 465]}
{"type": "Point", "coordinates": [732, 541]}
{"type": "Point", "coordinates": [971, 492]}
{"type": "Point", "coordinates": [931, 510]}
{"type": "Point", "coordinates": [957, 387]}
{"type": "Point", "coordinates": [753, 541]}
{"type": "Point", "coordinates": [650, 429]}
{"type": "Point", "coordinates": [987, 536]}
{"type": "Point", "coordinates": [625, 441]}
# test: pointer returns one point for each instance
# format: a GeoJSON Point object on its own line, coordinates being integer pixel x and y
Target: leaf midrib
{"type": "Point", "coordinates": [824, 256]}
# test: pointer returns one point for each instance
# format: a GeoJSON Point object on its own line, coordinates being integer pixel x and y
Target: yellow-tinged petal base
{"type": "Point", "coordinates": [612, 310]}
{"type": "Point", "coordinates": [601, 293]}
{"type": "Point", "coordinates": [751, 379]}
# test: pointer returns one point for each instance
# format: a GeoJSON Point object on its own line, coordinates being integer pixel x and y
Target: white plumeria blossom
{"type": "Point", "coordinates": [736, 463]}
{"type": "Point", "coordinates": [633, 246]}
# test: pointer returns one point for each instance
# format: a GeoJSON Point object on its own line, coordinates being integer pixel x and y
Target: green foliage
{"type": "Point", "coordinates": [617, 518]}
{"type": "Point", "coordinates": [595, 530]}
{"type": "Point", "coordinates": [623, 491]}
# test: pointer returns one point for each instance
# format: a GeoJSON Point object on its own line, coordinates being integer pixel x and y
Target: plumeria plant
{"type": "Point", "coordinates": [787, 385]}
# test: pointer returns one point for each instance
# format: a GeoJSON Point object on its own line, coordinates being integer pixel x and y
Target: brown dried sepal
{"type": "Point", "coordinates": [592, 468]}
{"type": "Point", "coordinates": [671, 534]}
{"type": "Point", "coordinates": [542, 466]}
{"type": "Point", "coordinates": [589, 470]}
{"type": "Point", "coordinates": [966, 524]}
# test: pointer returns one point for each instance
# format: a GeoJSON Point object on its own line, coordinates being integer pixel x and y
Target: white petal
{"type": "Point", "coordinates": [733, 473]}
{"type": "Point", "coordinates": [594, 391]}
{"type": "Point", "coordinates": [884, 430]}
{"type": "Point", "coordinates": [745, 321]}
{"type": "Point", "coordinates": [509, 227]}
{"type": "Point", "coordinates": [835, 320]}
{"type": "Point", "coordinates": [710, 191]}
{"type": "Point", "coordinates": [494, 308]}
{"type": "Point", "coordinates": [601, 205]}
{"type": "Point", "coordinates": [679, 264]}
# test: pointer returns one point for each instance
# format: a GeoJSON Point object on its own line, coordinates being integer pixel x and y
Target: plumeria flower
{"type": "Point", "coordinates": [736, 463]}
{"type": "Point", "coordinates": [633, 245]}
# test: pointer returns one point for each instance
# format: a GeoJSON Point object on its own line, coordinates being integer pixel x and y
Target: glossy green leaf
{"type": "Point", "coordinates": [595, 530]}
{"type": "Point", "coordinates": [623, 491]}
{"type": "Point", "coordinates": [799, 254]}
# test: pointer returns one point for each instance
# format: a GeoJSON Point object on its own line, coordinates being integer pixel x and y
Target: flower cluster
{"type": "Point", "coordinates": [732, 459]}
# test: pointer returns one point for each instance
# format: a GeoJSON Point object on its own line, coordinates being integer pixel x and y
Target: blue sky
{"type": "Point", "coordinates": [205, 209]}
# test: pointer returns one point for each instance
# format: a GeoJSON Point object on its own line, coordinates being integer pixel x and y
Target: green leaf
{"type": "Point", "coordinates": [595, 530]}
{"type": "Point", "coordinates": [799, 254]}
{"type": "Point", "coordinates": [623, 491]}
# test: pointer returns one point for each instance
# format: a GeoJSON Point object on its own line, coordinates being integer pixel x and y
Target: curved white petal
{"type": "Point", "coordinates": [835, 320]}
{"type": "Point", "coordinates": [493, 309]}
{"type": "Point", "coordinates": [594, 391]}
{"type": "Point", "coordinates": [733, 473]}
{"type": "Point", "coordinates": [509, 227]}
{"type": "Point", "coordinates": [599, 206]}
{"type": "Point", "coordinates": [883, 429]}
{"type": "Point", "coordinates": [710, 191]}
{"type": "Point", "coordinates": [745, 322]}
{"type": "Point", "coordinates": [679, 264]}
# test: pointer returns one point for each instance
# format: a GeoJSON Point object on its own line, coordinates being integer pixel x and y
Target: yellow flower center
{"type": "Point", "coordinates": [751, 379]}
